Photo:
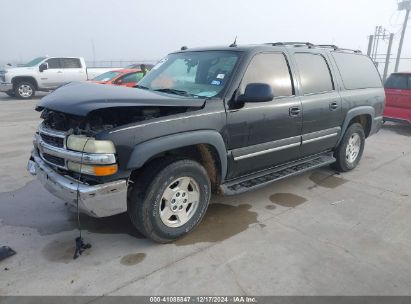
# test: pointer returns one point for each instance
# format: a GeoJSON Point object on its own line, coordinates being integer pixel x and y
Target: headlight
{"type": "Point", "coordinates": [90, 145]}
{"type": "Point", "coordinates": [95, 170]}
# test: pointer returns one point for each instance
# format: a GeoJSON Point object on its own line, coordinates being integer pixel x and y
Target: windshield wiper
{"type": "Point", "coordinates": [174, 91]}
{"type": "Point", "coordinates": [141, 87]}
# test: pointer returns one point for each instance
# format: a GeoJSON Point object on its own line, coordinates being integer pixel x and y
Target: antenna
{"type": "Point", "coordinates": [234, 44]}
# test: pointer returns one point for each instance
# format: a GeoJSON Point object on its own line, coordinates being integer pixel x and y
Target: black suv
{"type": "Point", "coordinates": [221, 119]}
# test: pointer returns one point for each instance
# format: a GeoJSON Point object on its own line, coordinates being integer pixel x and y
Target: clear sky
{"type": "Point", "coordinates": [149, 29]}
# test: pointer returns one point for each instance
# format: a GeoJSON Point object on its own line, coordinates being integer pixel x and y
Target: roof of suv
{"type": "Point", "coordinates": [268, 46]}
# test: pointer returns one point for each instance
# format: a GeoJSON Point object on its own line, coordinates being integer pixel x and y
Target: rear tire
{"type": "Point", "coordinates": [169, 200]}
{"type": "Point", "coordinates": [350, 149]}
{"type": "Point", "coordinates": [24, 90]}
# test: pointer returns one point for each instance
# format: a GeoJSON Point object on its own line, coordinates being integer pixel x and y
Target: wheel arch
{"type": "Point", "coordinates": [30, 79]}
{"type": "Point", "coordinates": [364, 115]}
{"type": "Point", "coordinates": [207, 146]}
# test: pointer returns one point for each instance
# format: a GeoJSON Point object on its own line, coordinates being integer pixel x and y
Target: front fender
{"type": "Point", "coordinates": [146, 150]}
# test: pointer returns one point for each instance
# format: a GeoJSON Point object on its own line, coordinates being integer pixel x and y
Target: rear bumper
{"type": "Point", "coordinates": [6, 87]}
{"type": "Point", "coordinates": [95, 200]}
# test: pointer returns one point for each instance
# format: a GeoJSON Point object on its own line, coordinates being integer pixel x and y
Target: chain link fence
{"type": "Point", "coordinates": [116, 63]}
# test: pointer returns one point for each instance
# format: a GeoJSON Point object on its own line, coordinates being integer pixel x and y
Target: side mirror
{"type": "Point", "coordinates": [120, 81]}
{"type": "Point", "coordinates": [256, 92]}
{"type": "Point", "coordinates": [44, 66]}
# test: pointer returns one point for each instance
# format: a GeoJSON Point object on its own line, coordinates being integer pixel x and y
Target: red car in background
{"type": "Point", "coordinates": [123, 77]}
{"type": "Point", "coordinates": [398, 97]}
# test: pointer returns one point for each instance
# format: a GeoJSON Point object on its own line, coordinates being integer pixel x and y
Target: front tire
{"type": "Point", "coordinates": [24, 90]}
{"type": "Point", "coordinates": [168, 201]}
{"type": "Point", "coordinates": [350, 150]}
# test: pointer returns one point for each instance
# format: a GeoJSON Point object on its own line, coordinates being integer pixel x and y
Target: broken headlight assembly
{"type": "Point", "coordinates": [86, 144]}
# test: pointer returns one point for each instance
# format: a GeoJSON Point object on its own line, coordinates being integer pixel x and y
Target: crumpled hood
{"type": "Point", "coordinates": [81, 98]}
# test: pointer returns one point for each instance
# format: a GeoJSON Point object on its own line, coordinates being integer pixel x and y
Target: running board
{"type": "Point", "coordinates": [269, 176]}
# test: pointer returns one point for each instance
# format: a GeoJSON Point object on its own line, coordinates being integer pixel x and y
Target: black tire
{"type": "Point", "coordinates": [145, 198]}
{"type": "Point", "coordinates": [29, 91]}
{"type": "Point", "coordinates": [343, 164]}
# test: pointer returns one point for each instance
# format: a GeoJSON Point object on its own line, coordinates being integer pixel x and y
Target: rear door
{"type": "Point", "coordinates": [73, 70]}
{"type": "Point", "coordinates": [321, 102]}
{"type": "Point", "coordinates": [266, 134]}
{"type": "Point", "coordinates": [53, 76]}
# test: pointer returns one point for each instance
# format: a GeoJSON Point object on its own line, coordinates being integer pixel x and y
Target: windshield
{"type": "Point", "coordinates": [34, 62]}
{"type": "Point", "coordinates": [199, 74]}
{"type": "Point", "coordinates": [106, 76]}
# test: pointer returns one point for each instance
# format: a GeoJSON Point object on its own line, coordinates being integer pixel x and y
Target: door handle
{"type": "Point", "coordinates": [333, 105]}
{"type": "Point", "coordinates": [294, 111]}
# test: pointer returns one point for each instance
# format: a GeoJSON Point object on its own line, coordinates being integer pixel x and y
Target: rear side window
{"type": "Point", "coordinates": [271, 69]}
{"type": "Point", "coordinates": [70, 63]}
{"type": "Point", "coordinates": [315, 74]}
{"type": "Point", "coordinates": [398, 81]}
{"type": "Point", "coordinates": [357, 71]}
{"type": "Point", "coordinates": [53, 63]}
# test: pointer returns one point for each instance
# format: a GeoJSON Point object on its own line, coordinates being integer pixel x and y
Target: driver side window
{"type": "Point", "coordinates": [272, 69]}
{"type": "Point", "coordinates": [53, 63]}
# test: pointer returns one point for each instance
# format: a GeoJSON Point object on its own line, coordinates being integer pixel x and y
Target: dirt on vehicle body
{"type": "Point", "coordinates": [225, 119]}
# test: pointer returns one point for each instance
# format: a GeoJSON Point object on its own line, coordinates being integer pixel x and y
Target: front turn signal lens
{"type": "Point", "coordinates": [93, 169]}
{"type": "Point", "coordinates": [105, 170]}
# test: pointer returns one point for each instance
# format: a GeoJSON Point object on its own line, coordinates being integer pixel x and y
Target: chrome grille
{"type": "Point", "coordinates": [58, 161]}
{"type": "Point", "coordinates": [51, 145]}
{"type": "Point", "coordinates": [52, 140]}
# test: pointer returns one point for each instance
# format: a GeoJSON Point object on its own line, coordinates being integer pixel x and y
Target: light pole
{"type": "Point", "coordinates": [404, 5]}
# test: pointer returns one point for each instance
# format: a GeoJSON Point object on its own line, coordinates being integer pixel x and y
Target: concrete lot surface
{"type": "Point", "coordinates": [315, 234]}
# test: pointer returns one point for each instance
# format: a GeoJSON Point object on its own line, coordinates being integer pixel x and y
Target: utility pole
{"type": "Point", "coordinates": [93, 49]}
{"type": "Point", "coordinates": [387, 57]}
{"type": "Point", "coordinates": [404, 5]}
{"type": "Point", "coordinates": [373, 43]}
{"type": "Point", "coordinates": [370, 44]}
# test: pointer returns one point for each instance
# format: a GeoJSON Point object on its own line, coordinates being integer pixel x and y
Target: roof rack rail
{"type": "Point", "coordinates": [309, 44]}
{"type": "Point", "coordinates": [333, 46]}
{"type": "Point", "coordinates": [350, 50]}
{"type": "Point", "coordinates": [336, 48]}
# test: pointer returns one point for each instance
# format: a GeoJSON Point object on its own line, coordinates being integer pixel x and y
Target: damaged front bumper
{"type": "Point", "coordinates": [6, 87]}
{"type": "Point", "coordinates": [95, 200]}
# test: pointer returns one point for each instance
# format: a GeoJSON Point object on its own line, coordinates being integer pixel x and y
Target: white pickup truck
{"type": "Point", "coordinates": [45, 74]}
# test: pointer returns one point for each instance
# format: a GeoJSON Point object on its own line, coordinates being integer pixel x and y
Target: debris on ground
{"type": "Point", "coordinates": [337, 202]}
{"type": "Point", "coordinates": [5, 252]}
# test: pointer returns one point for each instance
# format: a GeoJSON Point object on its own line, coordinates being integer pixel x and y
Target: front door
{"type": "Point", "coordinates": [263, 135]}
{"type": "Point", "coordinates": [398, 94]}
{"type": "Point", "coordinates": [321, 103]}
{"type": "Point", "coordinates": [53, 76]}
